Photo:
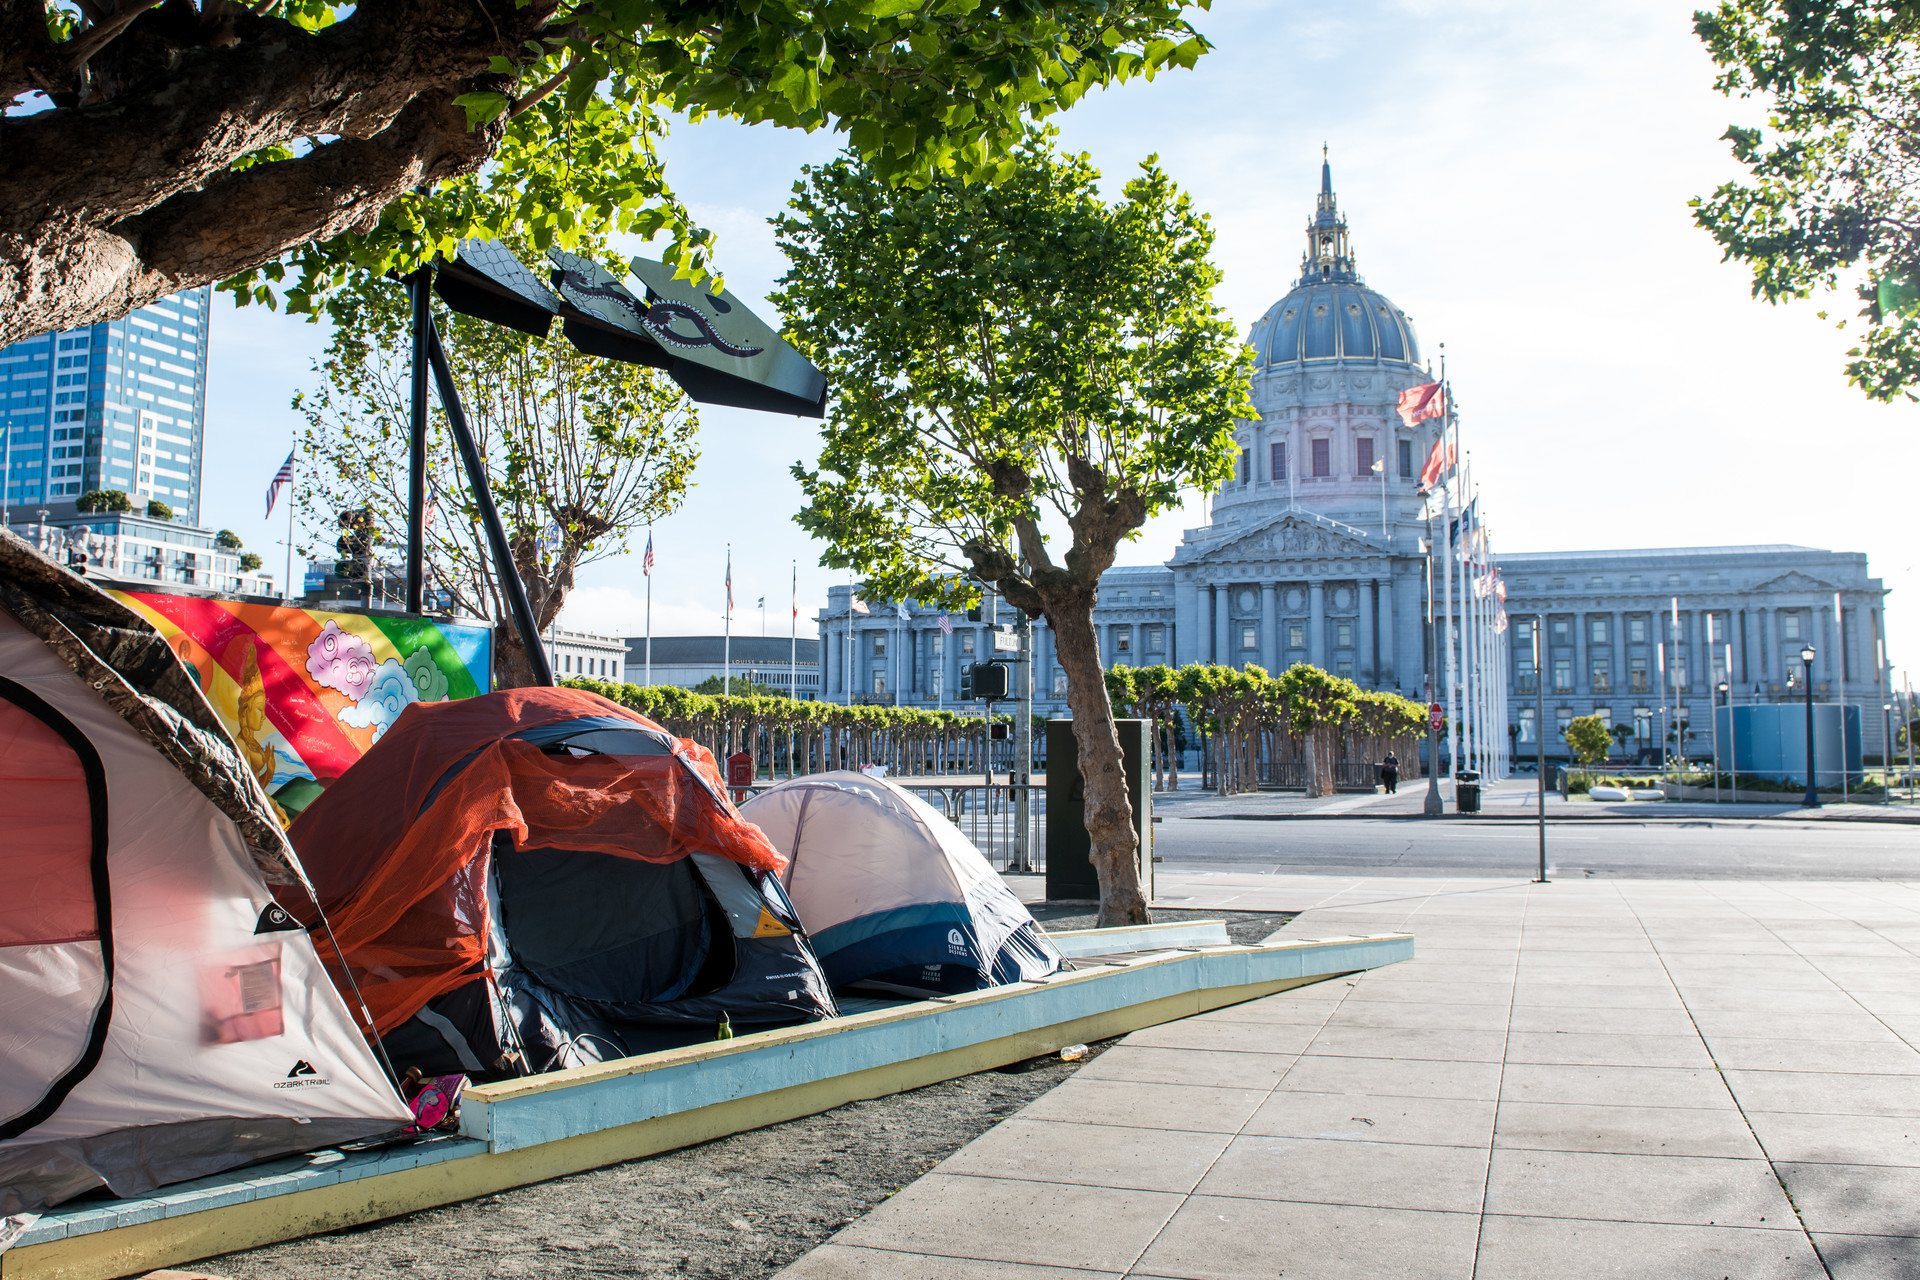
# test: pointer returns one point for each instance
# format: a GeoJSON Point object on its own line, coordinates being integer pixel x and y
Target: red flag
{"type": "Point", "coordinates": [1417, 404]}
{"type": "Point", "coordinates": [1439, 463]}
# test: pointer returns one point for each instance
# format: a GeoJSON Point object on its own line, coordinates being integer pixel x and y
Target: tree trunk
{"type": "Point", "coordinates": [1109, 812]}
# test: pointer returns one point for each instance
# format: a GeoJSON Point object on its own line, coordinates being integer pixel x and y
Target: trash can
{"type": "Point", "coordinates": [1466, 791]}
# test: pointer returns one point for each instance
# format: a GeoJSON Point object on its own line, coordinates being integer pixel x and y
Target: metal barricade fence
{"type": "Point", "coordinates": [985, 813]}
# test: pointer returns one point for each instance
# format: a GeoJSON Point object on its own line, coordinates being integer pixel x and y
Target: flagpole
{"type": "Point", "coordinates": [1446, 566]}
{"type": "Point", "coordinates": [726, 649]}
{"type": "Point", "coordinates": [289, 590]}
{"type": "Point", "coordinates": [649, 662]}
{"type": "Point", "coordinates": [793, 650]}
{"type": "Point", "coordinates": [1840, 683]}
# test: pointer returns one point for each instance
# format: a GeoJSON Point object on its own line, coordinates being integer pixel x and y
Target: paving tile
{"type": "Point", "coordinates": [1828, 1092]}
{"type": "Point", "coordinates": [1637, 1188]}
{"type": "Point", "coordinates": [845, 1262]}
{"type": "Point", "coordinates": [1764, 999]}
{"type": "Point", "coordinates": [1451, 1122]}
{"type": "Point", "coordinates": [1793, 1136]}
{"type": "Point", "coordinates": [1868, 1200]}
{"type": "Point", "coordinates": [1012, 1220]}
{"type": "Point", "coordinates": [1435, 1043]}
{"type": "Point", "coordinates": [1587, 995]}
{"type": "Point", "coordinates": [1423, 992]}
{"type": "Point", "coordinates": [1606, 1049]}
{"type": "Point", "coordinates": [1584, 1018]}
{"type": "Point", "coordinates": [1383, 1175]}
{"type": "Point", "coordinates": [1614, 1086]}
{"type": "Point", "coordinates": [1868, 1257]}
{"type": "Point", "coordinates": [1625, 1130]}
{"type": "Point", "coordinates": [1513, 1248]}
{"type": "Point", "coordinates": [1197, 1108]}
{"type": "Point", "coordinates": [1095, 1155]}
{"type": "Point", "coordinates": [1216, 1238]}
{"type": "Point", "coordinates": [1244, 1037]}
{"type": "Point", "coordinates": [1758, 1053]}
{"type": "Point", "coordinates": [1400, 1013]}
{"type": "Point", "coordinates": [1280, 1009]}
{"type": "Point", "coordinates": [1397, 1077]}
{"type": "Point", "coordinates": [1856, 1025]}
{"type": "Point", "coordinates": [1216, 1067]}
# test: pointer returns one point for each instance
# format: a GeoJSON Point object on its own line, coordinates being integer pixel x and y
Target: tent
{"type": "Point", "coordinates": [538, 878]}
{"type": "Point", "coordinates": [161, 1017]}
{"type": "Point", "coordinates": [891, 893]}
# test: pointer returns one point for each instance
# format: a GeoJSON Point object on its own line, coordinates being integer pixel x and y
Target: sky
{"type": "Point", "coordinates": [1516, 177]}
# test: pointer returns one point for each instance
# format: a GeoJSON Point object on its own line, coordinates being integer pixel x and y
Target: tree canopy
{"type": "Point", "coordinates": [155, 145]}
{"type": "Point", "coordinates": [1832, 195]}
{"type": "Point", "coordinates": [1015, 366]}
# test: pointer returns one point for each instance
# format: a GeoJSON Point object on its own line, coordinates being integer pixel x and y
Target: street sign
{"type": "Point", "coordinates": [1435, 715]}
{"type": "Point", "coordinates": [1006, 642]}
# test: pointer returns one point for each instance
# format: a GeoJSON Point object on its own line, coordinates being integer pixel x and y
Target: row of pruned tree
{"type": "Point", "coordinates": [792, 737]}
{"type": "Point", "coordinates": [1302, 728]}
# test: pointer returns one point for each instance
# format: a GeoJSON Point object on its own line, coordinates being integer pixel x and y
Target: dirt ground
{"type": "Point", "coordinates": [740, 1207]}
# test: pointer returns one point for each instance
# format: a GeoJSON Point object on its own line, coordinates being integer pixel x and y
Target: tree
{"type": "Point", "coordinates": [160, 146]}
{"type": "Point", "coordinates": [159, 510]}
{"type": "Point", "coordinates": [103, 500]}
{"type": "Point", "coordinates": [1621, 733]}
{"type": "Point", "coordinates": [580, 451]}
{"type": "Point", "coordinates": [1833, 190]}
{"type": "Point", "coordinates": [1589, 738]}
{"type": "Point", "coordinates": [227, 540]}
{"type": "Point", "coordinates": [1004, 357]}
{"type": "Point", "coordinates": [715, 686]}
{"type": "Point", "coordinates": [249, 562]}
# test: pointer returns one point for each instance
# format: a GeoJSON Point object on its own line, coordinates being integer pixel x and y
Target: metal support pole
{"type": "Point", "coordinates": [1540, 740]}
{"type": "Point", "coordinates": [504, 568]}
{"type": "Point", "coordinates": [1022, 775]}
{"type": "Point", "coordinates": [1435, 806]}
{"type": "Point", "coordinates": [420, 287]}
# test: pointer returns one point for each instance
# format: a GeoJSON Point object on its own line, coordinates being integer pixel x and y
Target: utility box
{"type": "Point", "coordinates": [1070, 874]}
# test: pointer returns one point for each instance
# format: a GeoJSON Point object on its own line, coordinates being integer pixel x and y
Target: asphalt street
{"type": "Point", "coordinates": [1656, 848]}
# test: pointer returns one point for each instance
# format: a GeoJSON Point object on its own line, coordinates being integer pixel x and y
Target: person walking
{"type": "Point", "coordinates": [1390, 772]}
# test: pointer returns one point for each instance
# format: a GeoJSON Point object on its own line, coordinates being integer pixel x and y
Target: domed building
{"type": "Point", "coordinates": [1312, 553]}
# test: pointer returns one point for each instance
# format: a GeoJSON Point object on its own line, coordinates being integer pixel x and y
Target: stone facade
{"type": "Point", "coordinates": [1313, 552]}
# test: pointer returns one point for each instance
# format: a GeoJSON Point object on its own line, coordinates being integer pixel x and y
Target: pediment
{"type": "Point", "coordinates": [1291, 537]}
{"type": "Point", "coordinates": [1796, 581]}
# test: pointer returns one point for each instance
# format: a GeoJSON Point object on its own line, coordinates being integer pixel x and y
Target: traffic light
{"type": "Point", "coordinates": [1000, 731]}
{"type": "Point", "coordinates": [992, 680]}
{"type": "Point", "coordinates": [966, 682]}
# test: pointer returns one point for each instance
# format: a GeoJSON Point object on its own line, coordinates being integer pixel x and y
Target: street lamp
{"type": "Point", "coordinates": [1725, 692]}
{"type": "Point", "coordinates": [1812, 800]}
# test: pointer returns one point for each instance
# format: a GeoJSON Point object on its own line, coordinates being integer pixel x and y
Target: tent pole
{"type": "Point", "coordinates": [504, 568]}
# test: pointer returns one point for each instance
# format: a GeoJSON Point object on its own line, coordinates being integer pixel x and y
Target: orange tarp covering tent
{"type": "Point", "coordinates": [402, 888]}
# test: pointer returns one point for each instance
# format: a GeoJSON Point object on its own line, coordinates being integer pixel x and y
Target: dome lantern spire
{"type": "Point", "coordinates": [1329, 256]}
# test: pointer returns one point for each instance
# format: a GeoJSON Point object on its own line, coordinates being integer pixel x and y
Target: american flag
{"type": "Point", "coordinates": [946, 625]}
{"type": "Point", "coordinates": [281, 478]}
{"type": "Point", "coordinates": [646, 561]}
{"type": "Point", "coordinates": [729, 584]}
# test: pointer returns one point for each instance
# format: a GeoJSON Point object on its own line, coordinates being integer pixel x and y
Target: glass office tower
{"type": "Point", "coordinates": [118, 405]}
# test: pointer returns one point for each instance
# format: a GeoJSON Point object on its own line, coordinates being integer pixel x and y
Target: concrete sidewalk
{"type": "Point", "coordinates": [1596, 1078]}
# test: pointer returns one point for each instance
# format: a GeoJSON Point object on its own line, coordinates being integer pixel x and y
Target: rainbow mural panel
{"type": "Point", "coordinates": [305, 692]}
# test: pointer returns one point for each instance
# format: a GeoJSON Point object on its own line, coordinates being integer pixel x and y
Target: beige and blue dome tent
{"type": "Point", "coordinates": [161, 1017]}
{"type": "Point", "coordinates": [891, 894]}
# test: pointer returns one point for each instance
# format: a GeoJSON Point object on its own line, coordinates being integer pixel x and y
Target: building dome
{"type": "Point", "coordinates": [1331, 315]}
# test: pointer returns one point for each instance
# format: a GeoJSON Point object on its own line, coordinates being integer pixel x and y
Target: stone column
{"type": "Point", "coordinates": [1364, 667]}
{"type": "Point", "coordinates": [1767, 646]}
{"type": "Point", "coordinates": [1189, 604]}
{"type": "Point", "coordinates": [1269, 628]}
{"type": "Point", "coordinates": [1582, 680]}
{"type": "Point", "coordinates": [1317, 623]}
{"type": "Point", "coordinates": [1824, 666]}
{"type": "Point", "coordinates": [1223, 646]}
{"type": "Point", "coordinates": [1203, 623]}
{"type": "Point", "coordinates": [1387, 664]}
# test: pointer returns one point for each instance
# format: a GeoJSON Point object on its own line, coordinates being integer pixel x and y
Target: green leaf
{"type": "Point", "coordinates": [481, 107]}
